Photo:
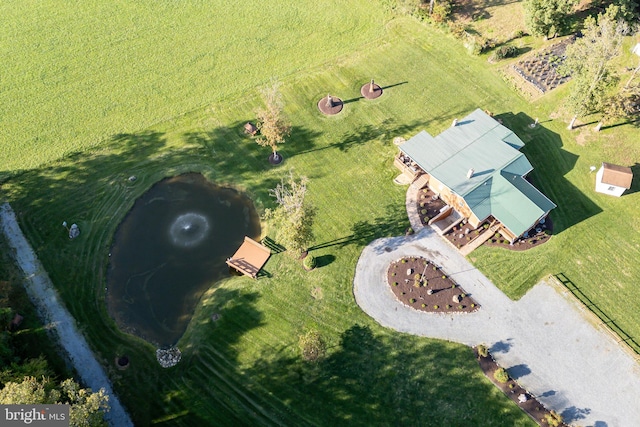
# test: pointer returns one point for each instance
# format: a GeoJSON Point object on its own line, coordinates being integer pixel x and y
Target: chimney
{"type": "Point", "coordinates": [470, 173]}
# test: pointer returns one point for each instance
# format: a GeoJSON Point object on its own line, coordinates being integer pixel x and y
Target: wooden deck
{"type": "Point", "coordinates": [249, 258]}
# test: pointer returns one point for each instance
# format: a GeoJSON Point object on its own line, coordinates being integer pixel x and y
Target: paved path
{"type": "Point", "coordinates": [544, 339]}
{"type": "Point", "coordinates": [57, 318]}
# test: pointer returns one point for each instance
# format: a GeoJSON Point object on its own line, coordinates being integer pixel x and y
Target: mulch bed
{"type": "Point", "coordinates": [429, 205]}
{"type": "Point", "coordinates": [512, 389]}
{"type": "Point", "coordinates": [275, 161]}
{"type": "Point", "coordinates": [330, 109]}
{"type": "Point", "coordinates": [366, 91]}
{"type": "Point", "coordinates": [411, 287]}
{"type": "Point", "coordinates": [536, 237]}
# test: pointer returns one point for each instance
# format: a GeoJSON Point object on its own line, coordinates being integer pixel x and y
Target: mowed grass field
{"type": "Point", "coordinates": [246, 368]}
{"type": "Point", "coordinates": [75, 75]}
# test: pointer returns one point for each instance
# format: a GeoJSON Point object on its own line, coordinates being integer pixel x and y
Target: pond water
{"type": "Point", "coordinates": [170, 248]}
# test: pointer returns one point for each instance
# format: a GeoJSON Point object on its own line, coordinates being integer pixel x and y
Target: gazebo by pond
{"type": "Point", "coordinates": [249, 258]}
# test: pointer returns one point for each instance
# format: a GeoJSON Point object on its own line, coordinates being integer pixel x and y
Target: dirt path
{"type": "Point", "coordinates": [57, 318]}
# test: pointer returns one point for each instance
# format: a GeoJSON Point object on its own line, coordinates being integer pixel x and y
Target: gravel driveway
{"type": "Point", "coordinates": [544, 340]}
{"type": "Point", "coordinates": [57, 318]}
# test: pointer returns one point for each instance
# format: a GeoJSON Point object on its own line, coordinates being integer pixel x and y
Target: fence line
{"type": "Point", "coordinates": [599, 316]}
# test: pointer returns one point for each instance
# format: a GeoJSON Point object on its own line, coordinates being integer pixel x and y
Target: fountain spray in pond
{"type": "Point", "coordinates": [189, 230]}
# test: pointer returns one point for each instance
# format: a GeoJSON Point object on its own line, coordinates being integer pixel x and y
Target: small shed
{"type": "Point", "coordinates": [250, 129]}
{"type": "Point", "coordinates": [613, 179]}
{"type": "Point", "coordinates": [249, 258]}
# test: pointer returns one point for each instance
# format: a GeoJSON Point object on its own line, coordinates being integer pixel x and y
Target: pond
{"type": "Point", "coordinates": [170, 248]}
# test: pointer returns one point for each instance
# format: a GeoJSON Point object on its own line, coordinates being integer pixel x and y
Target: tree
{"type": "Point", "coordinates": [588, 61]}
{"type": "Point", "coordinates": [623, 105]}
{"type": "Point", "coordinates": [86, 407]}
{"type": "Point", "coordinates": [294, 215]}
{"type": "Point", "coordinates": [547, 17]}
{"type": "Point", "coordinates": [272, 123]}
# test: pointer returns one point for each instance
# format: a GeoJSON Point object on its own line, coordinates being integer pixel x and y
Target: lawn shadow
{"type": "Point", "coordinates": [366, 133]}
{"type": "Point", "coordinates": [544, 149]}
{"type": "Point", "coordinates": [364, 371]}
{"type": "Point", "coordinates": [356, 99]}
{"type": "Point", "coordinates": [363, 232]}
{"type": "Point", "coordinates": [226, 316]}
{"type": "Point", "coordinates": [273, 246]}
{"type": "Point", "coordinates": [324, 260]}
{"type": "Point", "coordinates": [393, 85]}
{"type": "Point", "coordinates": [635, 182]}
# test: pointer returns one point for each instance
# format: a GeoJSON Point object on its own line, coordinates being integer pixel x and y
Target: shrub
{"type": "Point", "coordinates": [473, 305]}
{"type": "Point", "coordinates": [441, 11]}
{"type": "Point", "coordinates": [309, 262]}
{"type": "Point", "coordinates": [444, 277]}
{"type": "Point", "coordinates": [482, 350]}
{"type": "Point", "coordinates": [457, 29]}
{"type": "Point", "coordinates": [312, 346]}
{"type": "Point", "coordinates": [416, 276]}
{"type": "Point", "coordinates": [395, 283]}
{"type": "Point", "coordinates": [505, 51]}
{"type": "Point", "coordinates": [412, 300]}
{"type": "Point", "coordinates": [453, 286]}
{"type": "Point", "coordinates": [460, 307]}
{"type": "Point", "coordinates": [404, 261]}
{"type": "Point", "coordinates": [435, 268]}
{"type": "Point", "coordinates": [436, 307]}
{"type": "Point", "coordinates": [423, 305]}
{"type": "Point", "coordinates": [554, 419]}
{"type": "Point", "coordinates": [501, 375]}
{"type": "Point", "coordinates": [448, 306]}
{"type": "Point", "coordinates": [477, 44]}
{"type": "Point", "coordinates": [423, 211]}
{"type": "Point", "coordinates": [512, 385]}
{"type": "Point", "coordinates": [518, 34]}
{"type": "Point", "coordinates": [393, 274]}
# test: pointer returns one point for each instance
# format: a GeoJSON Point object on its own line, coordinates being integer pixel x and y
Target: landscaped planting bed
{"type": "Point", "coordinates": [422, 285]}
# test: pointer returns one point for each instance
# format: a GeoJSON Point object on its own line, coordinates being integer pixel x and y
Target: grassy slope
{"type": "Point", "coordinates": [74, 76]}
{"type": "Point", "coordinates": [245, 368]}
{"type": "Point", "coordinates": [246, 363]}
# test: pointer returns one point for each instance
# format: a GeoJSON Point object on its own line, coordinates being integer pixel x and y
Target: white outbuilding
{"type": "Point", "coordinates": [613, 179]}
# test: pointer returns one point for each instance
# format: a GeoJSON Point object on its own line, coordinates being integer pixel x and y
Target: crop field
{"type": "Point", "coordinates": [154, 92]}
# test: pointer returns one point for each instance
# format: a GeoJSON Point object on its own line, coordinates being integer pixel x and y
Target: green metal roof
{"type": "Point", "coordinates": [496, 186]}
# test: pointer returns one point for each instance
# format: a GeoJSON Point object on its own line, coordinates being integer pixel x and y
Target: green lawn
{"type": "Point", "coordinates": [245, 368]}
{"type": "Point", "coordinates": [73, 76]}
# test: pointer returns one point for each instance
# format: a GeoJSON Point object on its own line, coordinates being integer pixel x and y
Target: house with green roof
{"type": "Point", "coordinates": [476, 167]}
